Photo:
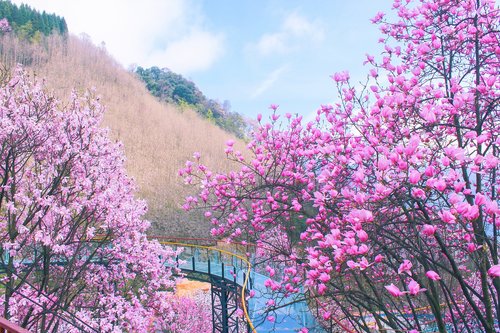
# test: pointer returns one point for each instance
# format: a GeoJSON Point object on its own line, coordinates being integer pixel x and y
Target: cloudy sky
{"type": "Point", "coordinates": [250, 52]}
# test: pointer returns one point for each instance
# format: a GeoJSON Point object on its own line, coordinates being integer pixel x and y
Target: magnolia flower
{"type": "Point", "coordinates": [271, 302]}
{"type": "Point", "coordinates": [362, 235]}
{"type": "Point", "coordinates": [322, 288]}
{"type": "Point", "coordinates": [239, 313]}
{"type": "Point", "coordinates": [433, 275]}
{"type": "Point", "coordinates": [414, 288]}
{"type": "Point", "coordinates": [274, 107]}
{"type": "Point", "coordinates": [447, 216]}
{"type": "Point", "coordinates": [479, 199]}
{"type": "Point", "coordinates": [494, 271]}
{"type": "Point", "coordinates": [270, 270]}
{"type": "Point", "coordinates": [405, 267]}
{"type": "Point", "coordinates": [428, 229]}
{"type": "Point", "coordinates": [351, 264]}
{"type": "Point", "coordinates": [341, 76]}
{"type": "Point", "coordinates": [414, 177]}
{"type": "Point", "coordinates": [324, 277]}
{"type": "Point", "coordinates": [394, 291]}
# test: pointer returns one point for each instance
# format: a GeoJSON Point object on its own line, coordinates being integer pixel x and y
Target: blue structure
{"type": "Point", "coordinates": [231, 277]}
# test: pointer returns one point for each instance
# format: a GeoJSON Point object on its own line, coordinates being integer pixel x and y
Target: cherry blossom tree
{"type": "Point", "coordinates": [191, 314]}
{"type": "Point", "coordinates": [74, 255]}
{"type": "Point", "coordinates": [4, 26]}
{"type": "Point", "coordinates": [385, 206]}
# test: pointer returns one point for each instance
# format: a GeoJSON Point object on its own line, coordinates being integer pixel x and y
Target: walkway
{"type": "Point", "coordinates": [208, 263]}
{"type": "Point", "coordinates": [290, 316]}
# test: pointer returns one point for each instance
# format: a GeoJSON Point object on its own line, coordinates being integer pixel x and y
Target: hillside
{"type": "Point", "coordinates": [158, 137]}
{"type": "Point", "coordinates": [173, 88]}
{"type": "Point", "coordinates": [28, 23]}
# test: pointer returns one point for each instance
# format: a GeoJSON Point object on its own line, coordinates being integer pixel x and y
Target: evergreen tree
{"type": "Point", "coordinates": [26, 21]}
{"type": "Point", "coordinates": [174, 88]}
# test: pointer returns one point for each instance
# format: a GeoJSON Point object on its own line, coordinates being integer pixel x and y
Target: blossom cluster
{"type": "Point", "coordinates": [387, 201]}
{"type": "Point", "coordinates": [74, 247]}
{"type": "Point", "coordinates": [4, 25]}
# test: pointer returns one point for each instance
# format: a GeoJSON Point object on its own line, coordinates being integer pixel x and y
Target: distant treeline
{"type": "Point", "coordinates": [30, 24]}
{"type": "Point", "coordinates": [173, 88]}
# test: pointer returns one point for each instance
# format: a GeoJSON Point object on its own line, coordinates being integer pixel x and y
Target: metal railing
{"type": "Point", "coordinates": [222, 255]}
{"type": "Point", "coordinates": [292, 314]}
{"type": "Point", "coordinates": [225, 260]}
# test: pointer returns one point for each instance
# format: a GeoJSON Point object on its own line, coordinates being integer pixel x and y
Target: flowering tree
{"type": "Point", "coordinates": [4, 26]}
{"type": "Point", "coordinates": [74, 256]}
{"type": "Point", "coordinates": [385, 206]}
{"type": "Point", "coordinates": [192, 314]}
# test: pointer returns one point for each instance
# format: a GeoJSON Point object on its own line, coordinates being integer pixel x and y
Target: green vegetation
{"type": "Point", "coordinates": [30, 24]}
{"type": "Point", "coordinates": [174, 88]}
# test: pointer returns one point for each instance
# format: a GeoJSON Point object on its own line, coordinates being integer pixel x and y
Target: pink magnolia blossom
{"type": "Point", "coordinates": [394, 291]}
{"type": "Point", "coordinates": [429, 230]}
{"type": "Point", "coordinates": [433, 275]}
{"type": "Point", "coordinates": [405, 267]}
{"type": "Point", "coordinates": [341, 77]}
{"type": "Point", "coordinates": [494, 271]}
{"type": "Point", "coordinates": [414, 177]}
{"type": "Point", "coordinates": [69, 194]}
{"type": "Point", "coordinates": [414, 288]}
{"type": "Point", "coordinates": [397, 158]}
{"type": "Point", "coordinates": [274, 107]}
{"type": "Point", "coordinates": [447, 217]}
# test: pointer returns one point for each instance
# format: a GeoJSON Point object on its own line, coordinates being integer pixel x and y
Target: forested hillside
{"type": "Point", "coordinates": [28, 23]}
{"type": "Point", "coordinates": [158, 137]}
{"type": "Point", "coordinates": [174, 88]}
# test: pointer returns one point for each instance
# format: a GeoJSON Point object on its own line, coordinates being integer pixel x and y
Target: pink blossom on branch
{"type": "Point", "coordinates": [432, 275]}
{"type": "Point", "coordinates": [494, 271]}
{"type": "Point", "coordinates": [394, 291]}
{"type": "Point", "coordinates": [68, 208]}
{"type": "Point", "coordinates": [396, 176]}
{"type": "Point", "coordinates": [414, 288]}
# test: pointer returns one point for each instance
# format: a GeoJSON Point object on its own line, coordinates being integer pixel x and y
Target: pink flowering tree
{"type": "Point", "coordinates": [385, 207]}
{"type": "Point", "coordinates": [4, 26]}
{"type": "Point", "coordinates": [74, 253]}
{"type": "Point", "coordinates": [191, 314]}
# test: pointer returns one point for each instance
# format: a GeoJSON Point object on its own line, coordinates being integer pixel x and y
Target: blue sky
{"type": "Point", "coordinates": [250, 52]}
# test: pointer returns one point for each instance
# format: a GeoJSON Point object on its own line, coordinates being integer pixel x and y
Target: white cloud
{"type": "Point", "coordinates": [194, 52]}
{"type": "Point", "coordinates": [269, 81]}
{"type": "Point", "coordinates": [299, 26]}
{"type": "Point", "coordinates": [295, 32]}
{"type": "Point", "coordinates": [138, 31]}
{"type": "Point", "coordinates": [272, 43]}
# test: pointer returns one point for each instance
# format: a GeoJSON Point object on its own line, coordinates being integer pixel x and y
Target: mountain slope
{"type": "Point", "coordinates": [158, 138]}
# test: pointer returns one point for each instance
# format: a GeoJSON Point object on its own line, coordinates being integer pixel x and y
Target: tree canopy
{"type": "Point", "coordinates": [384, 208]}
{"type": "Point", "coordinates": [74, 252]}
{"type": "Point", "coordinates": [174, 88]}
{"type": "Point", "coordinates": [27, 22]}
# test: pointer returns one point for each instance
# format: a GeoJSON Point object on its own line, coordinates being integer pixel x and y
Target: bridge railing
{"type": "Point", "coordinates": [221, 262]}
{"type": "Point", "coordinates": [8, 327]}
